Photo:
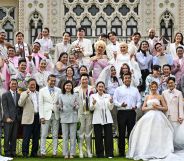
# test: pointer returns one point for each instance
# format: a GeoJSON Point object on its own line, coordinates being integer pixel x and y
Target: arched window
{"type": "Point", "coordinates": [71, 26]}
{"type": "Point", "coordinates": [166, 26]}
{"type": "Point", "coordinates": [8, 27]}
{"type": "Point", "coordinates": [87, 25]}
{"type": "Point", "coordinates": [116, 26]}
{"type": "Point", "coordinates": [101, 26]}
{"type": "Point", "coordinates": [131, 27]}
{"type": "Point", "coordinates": [35, 25]}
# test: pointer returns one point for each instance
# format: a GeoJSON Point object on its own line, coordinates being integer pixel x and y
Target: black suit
{"type": "Point", "coordinates": [12, 111]}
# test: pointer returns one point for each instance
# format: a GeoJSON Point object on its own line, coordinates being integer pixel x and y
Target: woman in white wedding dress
{"type": "Point", "coordinates": [152, 136]}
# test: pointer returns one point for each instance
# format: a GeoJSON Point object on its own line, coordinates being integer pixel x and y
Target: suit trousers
{"type": "Point", "coordinates": [69, 129]}
{"type": "Point", "coordinates": [10, 137]}
{"type": "Point", "coordinates": [108, 140]}
{"type": "Point", "coordinates": [44, 133]}
{"type": "Point", "coordinates": [126, 121]}
{"type": "Point", "coordinates": [34, 131]}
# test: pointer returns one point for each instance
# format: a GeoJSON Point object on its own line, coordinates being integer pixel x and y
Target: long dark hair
{"type": "Point", "coordinates": [63, 53]}
{"type": "Point", "coordinates": [121, 71]}
{"type": "Point", "coordinates": [144, 41]}
{"type": "Point", "coordinates": [115, 79]}
{"type": "Point", "coordinates": [67, 82]}
{"type": "Point", "coordinates": [181, 37]}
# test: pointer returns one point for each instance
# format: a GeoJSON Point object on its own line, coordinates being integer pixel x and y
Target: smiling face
{"type": "Point", "coordinates": [171, 84]}
{"type": "Point", "coordinates": [144, 46]}
{"type": "Point", "coordinates": [100, 88]}
{"type": "Point", "coordinates": [68, 87]}
{"type": "Point", "coordinates": [123, 48]}
{"type": "Point", "coordinates": [178, 38]}
{"type": "Point", "coordinates": [2, 37]}
{"type": "Point", "coordinates": [153, 88]}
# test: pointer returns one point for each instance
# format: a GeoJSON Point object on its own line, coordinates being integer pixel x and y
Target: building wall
{"type": "Point", "coordinates": [96, 15]}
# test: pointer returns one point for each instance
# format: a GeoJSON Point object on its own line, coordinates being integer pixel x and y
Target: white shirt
{"type": "Point", "coordinates": [128, 95]}
{"type": "Point", "coordinates": [34, 98]}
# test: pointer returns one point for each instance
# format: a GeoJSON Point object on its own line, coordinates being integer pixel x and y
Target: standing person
{"type": "Point", "coordinates": [144, 59]}
{"type": "Point", "coordinates": [152, 136]}
{"type": "Point", "coordinates": [113, 46]}
{"type": "Point", "coordinates": [134, 45]}
{"type": "Point", "coordinates": [101, 104]}
{"type": "Point", "coordinates": [178, 66]}
{"type": "Point", "coordinates": [11, 117]}
{"type": "Point", "coordinates": [99, 61]}
{"type": "Point", "coordinates": [178, 41]}
{"type": "Point", "coordinates": [30, 119]}
{"type": "Point", "coordinates": [85, 117]}
{"type": "Point", "coordinates": [127, 99]}
{"type": "Point", "coordinates": [22, 49]}
{"type": "Point", "coordinates": [49, 113]}
{"type": "Point", "coordinates": [68, 114]}
{"type": "Point", "coordinates": [83, 46]}
{"type": "Point", "coordinates": [64, 46]}
{"type": "Point", "coordinates": [45, 42]}
{"type": "Point", "coordinates": [175, 113]}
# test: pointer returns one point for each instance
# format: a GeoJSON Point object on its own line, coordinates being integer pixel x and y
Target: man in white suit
{"type": "Point", "coordinates": [174, 100]}
{"type": "Point", "coordinates": [84, 46]}
{"type": "Point", "coordinates": [85, 116]}
{"type": "Point", "coordinates": [49, 113]}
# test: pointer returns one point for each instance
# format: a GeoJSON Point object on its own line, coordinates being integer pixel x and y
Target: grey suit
{"type": "Point", "coordinates": [12, 111]}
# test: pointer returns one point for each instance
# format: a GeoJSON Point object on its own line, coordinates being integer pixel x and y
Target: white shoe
{"type": "Point", "coordinates": [90, 155]}
{"type": "Point", "coordinates": [81, 155]}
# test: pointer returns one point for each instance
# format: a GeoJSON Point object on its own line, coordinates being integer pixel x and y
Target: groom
{"type": "Point", "coordinates": [174, 101]}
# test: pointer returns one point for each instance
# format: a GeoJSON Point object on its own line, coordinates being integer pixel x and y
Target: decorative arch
{"type": "Point", "coordinates": [131, 26]}
{"type": "Point", "coordinates": [35, 25]}
{"type": "Point", "coordinates": [71, 26]}
{"type": "Point", "coordinates": [86, 23]}
{"type": "Point", "coordinates": [116, 26]}
{"type": "Point", "coordinates": [166, 26]}
{"type": "Point", "coordinates": [101, 26]}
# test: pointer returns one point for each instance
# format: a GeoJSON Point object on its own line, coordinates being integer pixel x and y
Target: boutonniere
{"type": "Point", "coordinates": [90, 93]}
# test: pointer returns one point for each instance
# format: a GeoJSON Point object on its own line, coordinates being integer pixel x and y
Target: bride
{"type": "Point", "coordinates": [152, 136]}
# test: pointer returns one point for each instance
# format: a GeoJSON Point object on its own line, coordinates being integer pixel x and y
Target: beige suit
{"type": "Point", "coordinates": [175, 104]}
{"type": "Point", "coordinates": [28, 108]}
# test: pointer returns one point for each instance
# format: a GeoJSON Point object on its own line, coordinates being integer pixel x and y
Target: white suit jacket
{"type": "Point", "coordinates": [174, 104]}
{"type": "Point", "coordinates": [47, 104]}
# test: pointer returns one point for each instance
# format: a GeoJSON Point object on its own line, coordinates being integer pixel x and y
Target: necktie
{"type": "Point", "coordinates": [52, 94]}
{"type": "Point", "coordinates": [14, 98]}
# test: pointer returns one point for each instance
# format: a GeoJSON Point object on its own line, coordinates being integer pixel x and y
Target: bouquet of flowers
{"type": "Point", "coordinates": [78, 50]}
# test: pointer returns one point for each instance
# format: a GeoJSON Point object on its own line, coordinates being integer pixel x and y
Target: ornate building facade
{"type": "Point", "coordinates": [97, 16]}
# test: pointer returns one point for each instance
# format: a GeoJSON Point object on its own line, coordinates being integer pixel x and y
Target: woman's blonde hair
{"type": "Point", "coordinates": [100, 42]}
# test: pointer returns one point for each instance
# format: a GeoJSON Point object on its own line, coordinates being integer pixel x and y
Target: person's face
{"type": "Point", "coordinates": [68, 87]}
{"type": "Point", "coordinates": [32, 86]}
{"type": "Point", "coordinates": [45, 33]}
{"type": "Point", "coordinates": [36, 48]}
{"type": "Point", "coordinates": [13, 85]}
{"type": "Point", "coordinates": [83, 70]}
{"type": "Point", "coordinates": [100, 88]}
{"type": "Point", "coordinates": [69, 72]}
{"type": "Point", "coordinates": [112, 38]}
{"type": "Point", "coordinates": [22, 67]}
{"type": "Point", "coordinates": [19, 38]}
{"type": "Point", "coordinates": [124, 68]}
{"type": "Point", "coordinates": [127, 80]}
{"type": "Point", "coordinates": [179, 53]}
{"type": "Point", "coordinates": [171, 84]}
{"type": "Point", "coordinates": [11, 52]}
{"type": "Point", "coordinates": [81, 34]}
{"type": "Point", "coordinates": [123, 48]}
{"type": "Point", "coordinates": [144, 46]}
{"type": "Point", "coordinates": [136, 38]}
{"type": "Point", "coordinates": [100, 49]}
{"type": "Point", "coordinates": [71, 58]}
{"type": "Point", "coordinates": [84, 80]}
{"type": "Point", "coordinates": [159, 48]}
{"type": "Point", "coordinates": [66, 37]}
{"type": "Point", "coordinates": [64, 59]}
{"type": "Point", "coordinates": [166, 71]}
{"type": "Point", "coordinates": [153, 88]}
{"type": "Point", "coordinates": [43, 65]}
{"type": "Point", "coordinates": [178, 38]}
{"type": "Point", "coordinates": [51, 82]}
{"type": "Point", "coordinates": [151, 33]}
{"type": "Point", "coordinates": [156, 73]}
{"type": "Point", "coordinates": [2, 36]}
{"type": "Point", "coordinates": [113, 72]}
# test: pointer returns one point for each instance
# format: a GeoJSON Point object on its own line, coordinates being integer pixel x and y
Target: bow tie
{"type": "Point", "coordinates": [171, 91]}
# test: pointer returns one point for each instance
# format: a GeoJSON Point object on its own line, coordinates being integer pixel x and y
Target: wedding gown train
{"type": "Point", "coordinates": [5, 158]}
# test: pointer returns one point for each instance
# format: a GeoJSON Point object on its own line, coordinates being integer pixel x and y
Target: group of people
{"type": "Point", "coordinates": [84, 89]}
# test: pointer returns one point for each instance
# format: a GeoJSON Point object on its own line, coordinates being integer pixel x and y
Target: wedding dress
{"type": "Point", "coordinates": [5, 158]}
{"type": "Point", "coordinates": [152, 136]}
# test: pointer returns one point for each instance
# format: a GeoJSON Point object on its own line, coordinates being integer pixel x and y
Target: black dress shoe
{"type": "Point", "coordinates": [34, 155]}
{"type": "Point", "coordinates": [25, 155]}
{"type": "Point", "coordinates": [13, 155]}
